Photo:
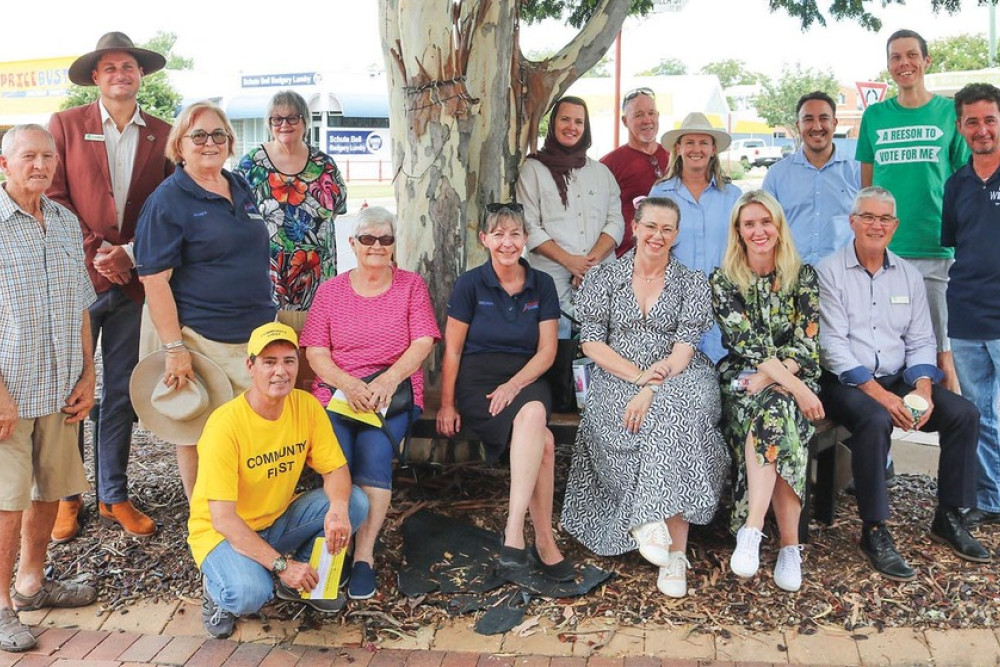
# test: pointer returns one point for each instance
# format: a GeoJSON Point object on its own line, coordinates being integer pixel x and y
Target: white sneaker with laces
{"type": "Point", "coordinates": [654, 542]}
{"type": "Point", "coordinates": [746, 557]}
{"type": "Point", "coordinates": [672, 580]}
{"type": "Point", "coordinates": [788, 569]}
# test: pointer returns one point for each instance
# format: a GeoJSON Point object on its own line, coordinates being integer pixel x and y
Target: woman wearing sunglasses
{"type": "Point", "coordinates": [499, 340]}
{"type": "Point", "coordinates": [300, 192]}
{"type": "Point", "coordinates": [201, 251]}
{"type": "Point", "coordinates": [376, 318]}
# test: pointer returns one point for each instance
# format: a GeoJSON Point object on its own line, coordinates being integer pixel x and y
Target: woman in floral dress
{"type": "Point", "coordinates": [300, 192]}
{"type": "Point", "coordinates": [767, 305]}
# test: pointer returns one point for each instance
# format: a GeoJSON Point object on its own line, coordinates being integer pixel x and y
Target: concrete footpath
{"type": "Point", "coordinates": [170, 633]}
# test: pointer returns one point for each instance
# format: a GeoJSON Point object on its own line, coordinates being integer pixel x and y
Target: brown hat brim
{"type": "Point", "coordinates": [80, 72]}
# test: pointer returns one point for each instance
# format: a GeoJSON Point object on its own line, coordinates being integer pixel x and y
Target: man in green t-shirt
{"type": "Point", "coordinates": [909, 146]}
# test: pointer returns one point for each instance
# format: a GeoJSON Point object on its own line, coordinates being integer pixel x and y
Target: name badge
{"type": "Point", "coordinates": [93, 137]}
{"type": "Point", "coordinates": [255, 216]}
{"type": "Point", "coordinates": [899, 299]}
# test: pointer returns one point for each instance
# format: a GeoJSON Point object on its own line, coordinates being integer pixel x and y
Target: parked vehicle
{"type": "Point", "coordinates": [751, 153]}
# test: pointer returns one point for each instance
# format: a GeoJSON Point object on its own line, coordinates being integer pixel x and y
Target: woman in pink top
{"type": "Point", "coordinates": [374, 318]}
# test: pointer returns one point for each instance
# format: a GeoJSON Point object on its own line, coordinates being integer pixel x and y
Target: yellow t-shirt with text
{"type": "Point", "coordinates": [256, 463]}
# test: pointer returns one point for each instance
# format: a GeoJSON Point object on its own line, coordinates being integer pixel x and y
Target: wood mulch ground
{"type": "Point", "coordinates": [839, 588]}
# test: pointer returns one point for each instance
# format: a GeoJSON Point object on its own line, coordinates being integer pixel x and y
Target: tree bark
{"type": "Point", "coordinates": [464, 109]}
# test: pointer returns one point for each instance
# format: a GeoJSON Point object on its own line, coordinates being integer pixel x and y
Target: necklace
{"type": "Point", "coordinates": [650, 278]}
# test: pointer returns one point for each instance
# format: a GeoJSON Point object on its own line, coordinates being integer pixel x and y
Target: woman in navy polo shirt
{"type": "Point", "coordinates": [499, 340]}
{"type": "Point", "coordinates": [202, 254]}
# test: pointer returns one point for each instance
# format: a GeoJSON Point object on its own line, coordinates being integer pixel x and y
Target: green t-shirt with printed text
{"type": "Point", "coordinates": [913, 152]}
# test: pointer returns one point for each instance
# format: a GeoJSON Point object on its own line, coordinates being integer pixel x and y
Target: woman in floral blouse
{"type": "Point", "coordinates": [300, 192]}
{"type": "Point", "coordinates": [767, 306]}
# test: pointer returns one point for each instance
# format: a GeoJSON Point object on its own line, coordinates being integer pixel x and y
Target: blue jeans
{"type": "Point", "coordinates": [241, 585]}
{"type": "Point", "coordinates": [367, 449]}
{"type": "Point", "coordinates": [978, 366]}
{"type": "Point", "coordinates": [115, 317]}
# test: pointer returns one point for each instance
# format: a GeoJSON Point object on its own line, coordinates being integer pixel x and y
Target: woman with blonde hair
{"type": "Point", "coordinates": [767, 305]}
{"type": "Point", "coordinates": [705, 195]}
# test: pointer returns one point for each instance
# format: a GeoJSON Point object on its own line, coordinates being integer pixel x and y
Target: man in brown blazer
{"type": "Point", "coordinates": [111, 158]}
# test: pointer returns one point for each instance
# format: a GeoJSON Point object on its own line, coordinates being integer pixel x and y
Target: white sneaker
{"type": "Point", "coordinates": [672, 580]}
{"type": "Point", "coordinates": [746, 557]}
{"type": "Point", "coordinates": [788, 570]}
{"type": "Point", "coordinates": [654, 542]}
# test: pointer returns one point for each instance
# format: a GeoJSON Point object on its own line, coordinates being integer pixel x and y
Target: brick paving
{"type": "Point", "coordinates": [181, 642]}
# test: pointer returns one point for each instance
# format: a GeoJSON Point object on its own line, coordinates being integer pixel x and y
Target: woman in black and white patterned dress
{"type": "Point", "coordinates": [649, 457]}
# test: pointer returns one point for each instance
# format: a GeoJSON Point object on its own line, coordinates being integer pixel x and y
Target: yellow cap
{"type": "Point", "coordinates": [266, 334]}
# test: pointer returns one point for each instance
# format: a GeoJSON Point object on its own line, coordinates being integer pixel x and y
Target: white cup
{"type": "Point", "coordinates": [917, 405]}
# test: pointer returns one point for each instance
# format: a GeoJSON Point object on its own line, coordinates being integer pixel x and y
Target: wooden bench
{"type": "Point", "coordinates": [820, 495]}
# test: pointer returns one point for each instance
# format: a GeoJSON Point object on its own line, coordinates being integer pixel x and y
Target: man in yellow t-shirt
{"type": "Point", "coordinates": [246, 524]}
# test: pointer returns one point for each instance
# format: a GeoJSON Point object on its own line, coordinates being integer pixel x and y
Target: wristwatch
{"type": "Point", "coordinates": [279, 565]}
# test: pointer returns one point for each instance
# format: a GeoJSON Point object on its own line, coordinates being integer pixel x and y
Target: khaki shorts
{"type": "Point", "coordinates": [41, 461]}
{"type": "Point", "coordinates": [935, 273]}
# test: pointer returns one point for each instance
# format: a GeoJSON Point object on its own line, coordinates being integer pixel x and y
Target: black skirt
{"type": "Point", "coordinates": [479, 375]}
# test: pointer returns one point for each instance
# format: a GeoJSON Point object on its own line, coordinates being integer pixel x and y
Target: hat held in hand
{"type": "Point", "coordinates": [177, 415]}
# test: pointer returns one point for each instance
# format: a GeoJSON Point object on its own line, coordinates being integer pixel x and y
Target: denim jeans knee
{"type": "Point", "coordinates": [236, 583]}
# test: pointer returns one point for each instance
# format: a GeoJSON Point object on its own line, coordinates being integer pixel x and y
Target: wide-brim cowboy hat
{"type": "Point", "coordinates": [81, 69]}
{"type": "Point", "coordinates": [696, 123]}
{"type": "Point", "coordinates": [177, 416]}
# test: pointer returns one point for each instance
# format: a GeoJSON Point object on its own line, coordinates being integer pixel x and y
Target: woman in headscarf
{"type": "Point", "coordinates": [572, 205]}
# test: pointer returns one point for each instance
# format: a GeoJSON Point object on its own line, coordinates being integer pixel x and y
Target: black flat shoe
{"type": "Point", "coordinates": [561, 571]}
{"type": "Point", "coordinates": [512, 558]}
{"type": "Point", "coordinates": [949, 528]}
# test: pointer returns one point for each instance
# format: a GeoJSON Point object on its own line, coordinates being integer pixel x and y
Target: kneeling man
{"type": "Point", "coordinates": [876, 346]}
{"type": "Point", "coordinates": [246, 524]}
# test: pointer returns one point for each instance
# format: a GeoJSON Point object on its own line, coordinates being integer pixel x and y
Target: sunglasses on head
{"type": "Point", "coordinates": [632, 94]}
{"type": "Point", "coordinates": [370, 239]}
{"type": "Point", "coordinates": [496, 207]}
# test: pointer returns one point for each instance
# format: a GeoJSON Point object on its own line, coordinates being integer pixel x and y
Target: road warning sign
{"type": "Point", "coordinates": [871, 92]}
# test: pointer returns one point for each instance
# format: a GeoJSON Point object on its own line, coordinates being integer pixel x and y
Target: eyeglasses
{"type": "Point", "coordinates": [870, 218]}
{"type": "Point", "coordinates": [276, 121]}
{"type": "Point", "coordinates": [632, 94]}
{"type": "Point", "coordinates": [200, 137]}
{"type": "Point", "coordinates": [496, 207]}
{"type": "Point", "coordinates": [370, 239]}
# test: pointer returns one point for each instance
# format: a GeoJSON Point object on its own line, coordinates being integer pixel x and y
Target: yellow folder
{"type": "Point", "coordinates": [328, 566]}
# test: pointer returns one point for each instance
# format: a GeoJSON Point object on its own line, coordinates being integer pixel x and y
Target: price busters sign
{"type": "Point", "coordinates": [34, 86]}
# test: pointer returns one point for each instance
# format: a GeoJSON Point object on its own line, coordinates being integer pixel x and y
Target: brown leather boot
{"type": "Point", "coordinates": [67, 523]}
{"type": "Point", "coordinates": [132, 521]}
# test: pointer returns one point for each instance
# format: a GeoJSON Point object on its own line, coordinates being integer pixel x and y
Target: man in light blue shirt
{"type": "Point", "coordinates": [877, 348]}
{"type": "Point", "coordinates": [816, 184]}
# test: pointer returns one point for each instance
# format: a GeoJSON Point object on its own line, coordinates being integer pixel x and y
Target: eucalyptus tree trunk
{"type": "Point", "coordinates": [464, 112]}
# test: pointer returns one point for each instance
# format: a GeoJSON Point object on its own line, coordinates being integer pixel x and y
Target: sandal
{"type": "Point", "coordinates": [55, 594]}
{"type": "Point", "coordinates": [14, 635]}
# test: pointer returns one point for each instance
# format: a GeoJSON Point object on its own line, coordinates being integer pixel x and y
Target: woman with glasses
{"type": "Point", "coordinates": [767, 305]}
{"type": "Point", "coordinates": [201, 251]}
{"type": "Point", "coordinates": [499, 340]}
{"type": "Point", "coordinates": [649, 459]}
{"type": "Point", "coordinates": [374, 319]}
{"type": "Point", "coordinates": [299, 192]}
